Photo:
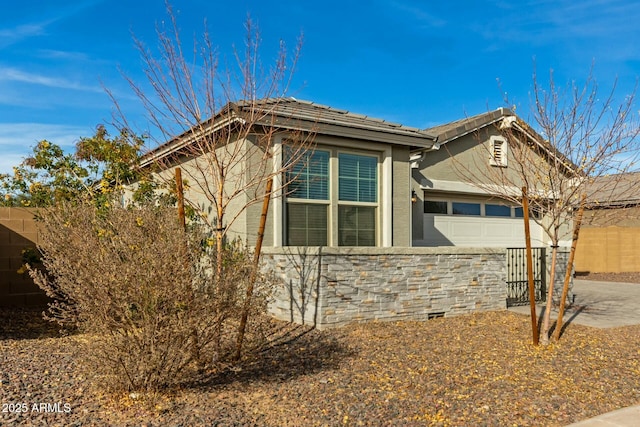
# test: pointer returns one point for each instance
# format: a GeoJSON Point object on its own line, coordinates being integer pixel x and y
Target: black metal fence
{"type": "Point", "coordinates": [517, 284]}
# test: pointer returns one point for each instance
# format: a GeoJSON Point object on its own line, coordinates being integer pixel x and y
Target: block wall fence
{"type": "Point", "coordinates": [610, 249]}
{"type": "Point", "coordinates": [18, 230]}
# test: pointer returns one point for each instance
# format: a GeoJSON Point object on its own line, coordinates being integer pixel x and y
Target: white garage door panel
{"type": "Point", "coordinates": [462, 229]}
{"type": "Point", "coordinates": [448, 230]}
{"type": "Point", "coordinates": [502, 229]}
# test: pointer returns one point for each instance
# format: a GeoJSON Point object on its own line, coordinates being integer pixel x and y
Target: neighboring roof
{"type": "Point", "coordinates": [290, 113]}
{"type": "Point", "coordinates": [452, 130]}
{"type": "Point", "coordinates": [614, 190]}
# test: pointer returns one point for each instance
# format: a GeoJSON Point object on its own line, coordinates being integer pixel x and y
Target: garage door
{"type": "Point", "coordinates": [476, 231]}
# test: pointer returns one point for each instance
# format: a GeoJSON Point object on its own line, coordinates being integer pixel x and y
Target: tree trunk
{"type": "Point", "coordinates": [547, 312]}
{"type": "Point", "coordinates": [180, 194]}
{"type": "Point", "coordinates": [567, 275]}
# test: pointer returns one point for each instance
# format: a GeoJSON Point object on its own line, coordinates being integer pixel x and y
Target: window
{"type": "Point", "coordinates": [357, 182]}
{"type": "Point", "coordinates": [307, 224]}
{"type": "Point", "coordinates": [311, 203]}
{"type": "Point", "coordinates": [435, 207]}
{"type": "Point", "coordinates": [497, 210]}
{"type": "Point", "coordinates": [473, 208]}
{"type": "Point", "coordinates": [309, 178]}
{"type": "Point", "coordinates": [356, 226]}
{"type": "Point", "coordinates": [460, 208]}
{"type": "Point", "coordinates": [308, 201]}
{"type": "Point", "coordinates": [535, 213]}
{"type": "Point", "coordinates": [498, 147]}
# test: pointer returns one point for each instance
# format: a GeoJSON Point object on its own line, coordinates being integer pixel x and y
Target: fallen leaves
{"type": "Point", "coordinates": [469, 370]}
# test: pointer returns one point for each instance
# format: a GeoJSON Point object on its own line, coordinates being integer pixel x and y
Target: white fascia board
{"type": "Point", "coordinates": [479, 189]}
{"type": "Point", "coordinates": [185, 141]}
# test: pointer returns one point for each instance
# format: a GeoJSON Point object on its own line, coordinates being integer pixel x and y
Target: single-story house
{"type": "Point", "coordinates": [374, 222]}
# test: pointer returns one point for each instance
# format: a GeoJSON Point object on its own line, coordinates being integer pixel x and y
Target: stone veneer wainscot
{"type": "Point", "coordinates": [364, 284]}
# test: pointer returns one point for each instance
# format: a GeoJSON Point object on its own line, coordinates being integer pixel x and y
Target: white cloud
{"type": "Point", "coordinates": [8, 161]}
{"type": "Point", "coordinates": [10, 36]}
{"type": "Point", "coordinates": [16, 75]}
{"type": "Point", "coordinates": [64, 55]}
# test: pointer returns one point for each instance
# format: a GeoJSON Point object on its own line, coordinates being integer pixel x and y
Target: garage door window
{"type": "Point", "coordinates": [435, 207]}
{"type": "Point", "coordinates": [460, 208]}
{"type": "Point", "coordinates": [497, 210]}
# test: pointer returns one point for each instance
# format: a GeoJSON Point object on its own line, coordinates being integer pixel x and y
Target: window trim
{"type": "Point", "coordinates": [335, 206]}
{"type": "Point", "coordinates": [381, 154]}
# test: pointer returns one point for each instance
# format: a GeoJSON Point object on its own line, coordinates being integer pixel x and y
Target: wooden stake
{"type": "Point", "coordinates": [532, 289]}
{"type": "Point", "coordinates": [256, 260]}
{"type": "Point", "coordinates": [180, 194]}
{"type": "Point", "coordinates": [567, 274]}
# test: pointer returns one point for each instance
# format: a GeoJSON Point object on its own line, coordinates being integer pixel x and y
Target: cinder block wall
{"type": "Point", "coordinates": [335, 286]}
{"type": "Point", "coordinates": [610, 249]}
{"type": "Point", "coordinates": [18, 230]}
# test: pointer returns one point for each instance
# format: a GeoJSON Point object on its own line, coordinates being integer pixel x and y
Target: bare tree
{"type": "Point", "coordinates": [579, 137]}
{"type": "Point", "coordinates": [223, 125]}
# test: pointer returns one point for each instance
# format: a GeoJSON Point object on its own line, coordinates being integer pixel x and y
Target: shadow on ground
{"type": "Point", "coordinates": [295, 351]}
{"type": "Point", "coordinates": [26, 323]}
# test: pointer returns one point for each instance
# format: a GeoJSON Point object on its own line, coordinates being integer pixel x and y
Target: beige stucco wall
{"type": "Point", "coordinates": [396, 175]}
{"type": "Point", "coordinates": [461, 165]}
{"type": "Point", "coordinates": [401, 197]}
{"type": "Point", "coordinates": [198, 185]}
{"type": "Point", "coordinates": [609, 241]}
{"type": "Point", "coordinates": [255, 196]}
{"type": "Point", "coordinates": [467, 159]}
{"type": "Point", "coordinates": [610, 249]}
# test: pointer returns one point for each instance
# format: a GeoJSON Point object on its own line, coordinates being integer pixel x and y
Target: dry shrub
{"type": "Point", "coordinates": [148, 293]}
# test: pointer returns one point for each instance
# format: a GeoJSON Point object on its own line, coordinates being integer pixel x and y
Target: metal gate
{"type": "Point", "coordinates": [517, 286]}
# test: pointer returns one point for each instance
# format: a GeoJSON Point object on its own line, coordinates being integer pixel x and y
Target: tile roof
{"type": "Point", "coordinates": [306, 110]}
{"type": "Point", "coordinates": [455, 129]}
{"type": "Point", "coordinates": [291, 113]}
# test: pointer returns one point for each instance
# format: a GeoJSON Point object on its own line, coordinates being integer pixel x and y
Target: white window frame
{"type": "Point", "coordinates": [336, 202]}
{"type": "Point", "coordinates": [383, 234]}
{"type": "Point", "coordinates": [303, 201]}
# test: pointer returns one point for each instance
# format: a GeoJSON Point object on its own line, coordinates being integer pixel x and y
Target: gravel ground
{"type": "Point", "coordinates": [478, 369]}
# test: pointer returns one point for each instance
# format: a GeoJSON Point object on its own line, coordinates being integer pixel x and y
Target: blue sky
{"type": "Point", "coordinates": [420, 63]}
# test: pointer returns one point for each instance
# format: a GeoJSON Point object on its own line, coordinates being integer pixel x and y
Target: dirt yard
{"type": "Point", "coordinates": [470, 370]}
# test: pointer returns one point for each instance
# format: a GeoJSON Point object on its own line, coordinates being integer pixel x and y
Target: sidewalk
{"type": "Point", "coordinates": [602, 305]}
{"type": "Point", "coordinates": [599, 305]}
{"type": "Point", "coordinates": [626, 417]}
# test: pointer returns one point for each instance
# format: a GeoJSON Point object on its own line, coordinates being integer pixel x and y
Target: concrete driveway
{"type": "Point", "coordinates": [599, 304]}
